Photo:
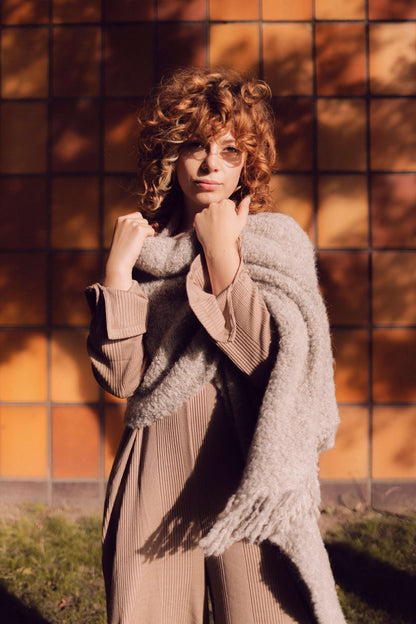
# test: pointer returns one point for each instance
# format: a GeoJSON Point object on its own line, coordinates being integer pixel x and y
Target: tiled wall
{"type": "Point", "coordinates": [343, 76]}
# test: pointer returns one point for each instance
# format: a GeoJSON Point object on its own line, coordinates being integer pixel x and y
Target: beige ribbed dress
{"type": "Point", "coordinates": [170, 480]}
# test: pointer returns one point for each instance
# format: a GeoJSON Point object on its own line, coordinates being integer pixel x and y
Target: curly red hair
{"type": "Point", "coordinates": [199, 103]}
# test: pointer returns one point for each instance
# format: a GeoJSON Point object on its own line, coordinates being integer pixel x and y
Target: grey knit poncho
{"type": "Point", "coordinates": [279, 495]}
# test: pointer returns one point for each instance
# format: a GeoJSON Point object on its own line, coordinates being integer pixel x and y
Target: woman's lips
{"type": "Point", "coordinates": [207, 185]}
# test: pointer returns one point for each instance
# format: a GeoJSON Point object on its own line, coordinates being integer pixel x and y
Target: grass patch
{"type": "Point", "coordinates": [50, 568]}
{"type": "Point", "coordinates": [374, 564]}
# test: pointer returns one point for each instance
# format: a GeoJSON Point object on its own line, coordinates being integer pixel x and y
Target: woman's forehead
{"type": "Point", "coordinates": [222, 137]}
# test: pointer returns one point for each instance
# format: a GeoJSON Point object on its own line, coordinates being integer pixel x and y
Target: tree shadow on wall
{"type": "Point", "coordinates": [76, 131]}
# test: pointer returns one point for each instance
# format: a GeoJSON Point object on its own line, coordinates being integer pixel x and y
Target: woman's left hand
{"type": "Point", "coordinates": [218, 228]}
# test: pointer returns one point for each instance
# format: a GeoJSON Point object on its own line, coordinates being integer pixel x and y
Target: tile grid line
{"type": "Point", "coordinates": [101, 170]}
{"type": "Point", "coordinates": [49, 277]}
{"type": "Point", "coordinates": [370, 261]}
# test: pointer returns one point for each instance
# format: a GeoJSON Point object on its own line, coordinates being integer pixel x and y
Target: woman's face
{"type": "Point", "coordinates": [210, 172]}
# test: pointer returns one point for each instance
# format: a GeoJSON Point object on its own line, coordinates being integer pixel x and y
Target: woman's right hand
{"type": "Point", "coordinates": [128, 237]}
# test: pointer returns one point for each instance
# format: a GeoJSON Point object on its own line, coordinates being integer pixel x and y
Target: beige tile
{"type": "Point", "coordinates": [72, 380]}
{"type": "Point", "coordinates": [392, 59]}
{"type": "Point", "coordinates": [342, 211]}
{"type": "Point", "coordinates": [351, 364]}
{"type": "Point", "coordinates": [394, 288]}
{"type": "Point", "coordinates": [394, 432]}
{"type": "Point", "coordinates": [392, 134]}
{"type": "Point", "coordinates": [287, 58]}
{"type": "Point", "coordinates": [394, 365]}
{"type": "Point", "coordinates": [25, 63]}
{"type": "Point", "coordinates": [236, 46]}
{"type": "Point", "coordinates": [23, 441]}
{"type": "Point", "coordinates": [349, 458]}
{"type": "Point", "coordinates": [23, 366]}
{"type": "Point", "coordinates": [75, 442]}
{"type": "Point", "coordinates": [293, 195]}
{"type": "Point", "coordinates": [342, 134]}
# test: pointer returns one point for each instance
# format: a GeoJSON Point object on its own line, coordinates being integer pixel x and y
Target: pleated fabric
{"type": "Point", "coordinates": [169, 481]}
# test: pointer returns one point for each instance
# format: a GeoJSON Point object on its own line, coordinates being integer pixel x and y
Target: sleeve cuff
{"type": "Point", "coordinates": [215, 313]}
{"type": "Point", "coordinates": [125, 310]}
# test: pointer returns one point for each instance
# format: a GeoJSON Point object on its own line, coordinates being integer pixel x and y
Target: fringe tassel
{"type": "Point", "coordinates": [257, 518]}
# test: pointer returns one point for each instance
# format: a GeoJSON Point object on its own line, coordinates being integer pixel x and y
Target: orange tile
{"type": "Point", "coordinates": [23, 366]}
{"type": "Point", "coordinates": [393, 210]}
{"type": "Point", "coordinates": [344, 280]}
{"type": "Point", "coordinates": [120, 136]}
{"type": "Point", "coordinates": [387, 10]}
{"type": "Point", "coordinates": [294, 128]}
{"type": "Point", "coordinates": [228, 10]}
{"type": "Point", "coordinates": [24, 58]}
{"type": "Point", "coordinates": [393, 128]}
{"type": "Point", "coordinates": [287, 54]}
{"type": "Point", "coordinates": [236, 46]}
{"type": "Point", "coordinates": [71, 273]}
{"type": "Point", "coordinates": [23, 289]}
{"type": "Point", "coordinates": [128, 10]}
{"type": "Point", "coordinates": [293, 195]}
{"type": "Point", "coordinates": [119, 199]}
{"type": "Point", "coordinates": [342, 134]}
{"type": "Point", "coordinates": [27, 12]}
{"type": "Point", "coordinates": [394, 288]}
{"type": "Point", "coordinates": [394, 430]}
{"type": "Point", "coordinates": [75, 131]}
{"type": "Point", "coordinates": [76, 11]}
{"type": "Point", "coordinates": [23, 137]}
{"type": "Point", "coordinates": [349, 458]}
{"type": "Point", "coordinates": [394, 365]}
{"type": "Point", "coordinates": [342, 211]}
{"type": "Point", "coordinates": [181, 10]}
{"type": "Point", "coordinates": [284, 10]}
{"type": "Point", "coordinates": [113, 429]}
{"type": "Point", "coordinates": [76, 61]}
{"type": "Point", "coordinates": [393, 59]}
{"type": "Point", "coordinates": [340, 59]}
{"type": "Point", "coordinates": [23, 441]}
{"type": "Point", "coordinates": [180, 46]}
{"type": "Point", "coordinates": [72, 380]}
{"type": "Point", "coordinates": [128, 60]}
{"type": "Point", "coordinates": [75, 213]}
{"type": "Point", "coordinates": [75, 442]}
{"type": "Point", "coordinates": [351, 368]}
{"type": "Point", "coordinates": [23, 213]}
{"type": "Point", "coordinates": [330, 10]}
{"type": "Point", "coordinates": [111, 399]}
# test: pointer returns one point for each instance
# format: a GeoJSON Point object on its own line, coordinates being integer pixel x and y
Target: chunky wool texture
{"type": "Point", "coordinates": [279, 495]}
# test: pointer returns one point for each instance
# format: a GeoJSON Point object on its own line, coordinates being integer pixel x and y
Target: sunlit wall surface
{"type": "Point", "coordinates": [343, 75]}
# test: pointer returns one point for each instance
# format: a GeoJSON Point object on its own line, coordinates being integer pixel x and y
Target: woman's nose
{"type": "Point", "coordinates": [212, 158]}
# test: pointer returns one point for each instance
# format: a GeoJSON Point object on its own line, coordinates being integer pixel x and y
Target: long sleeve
{"type": "Point", "coordinates": [237, 319]}
{"type": "Point", "coordinates": [115, 341]}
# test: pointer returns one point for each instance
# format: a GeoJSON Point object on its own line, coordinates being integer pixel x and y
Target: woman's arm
{"type": "Point", "coordinates": [218, 228]}
{"type": "Point", "coordinates": [115, 340]}
{"type": "Point", "coordinates": [119, 312]}
{"type": "Point", "coordinates": [226, 301]}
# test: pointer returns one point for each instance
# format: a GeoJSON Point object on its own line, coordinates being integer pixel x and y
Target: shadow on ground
{"type": "Point", "coordinates": [15, 612]}
{"type": "Point", "coordinates": [377, 584]}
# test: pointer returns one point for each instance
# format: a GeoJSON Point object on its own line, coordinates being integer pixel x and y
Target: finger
{"type": "Point", "coordinates": [244, 207]}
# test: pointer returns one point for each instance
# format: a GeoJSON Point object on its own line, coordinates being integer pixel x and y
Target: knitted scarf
{"type": "Point", "coordinates": [278, 497]}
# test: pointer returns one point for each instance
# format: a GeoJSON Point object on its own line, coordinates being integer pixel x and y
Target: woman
{"type": "Point", "coordinates": [209, 320]}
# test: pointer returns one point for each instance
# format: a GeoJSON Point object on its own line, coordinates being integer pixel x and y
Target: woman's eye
{"type": "Point", "coordinates": [195, 145]}
{"type": "Point", "coordinates": [231, 149]}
